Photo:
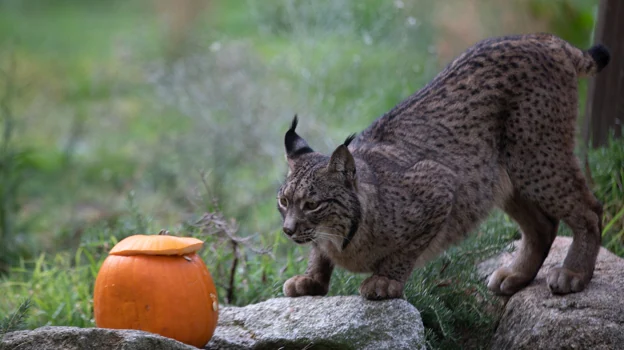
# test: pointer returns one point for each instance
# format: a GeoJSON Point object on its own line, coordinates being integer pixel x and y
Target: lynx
{"type": "Point", "coordinates": [495, 128]}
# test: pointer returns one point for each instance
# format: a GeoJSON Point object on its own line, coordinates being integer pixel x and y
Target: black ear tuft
{"type": "Point", "coordinates": [349, 139]}
{"type": "Point", "coordinates": [295, 145]}
{"type": "Point", "coordinates": [294, 123]}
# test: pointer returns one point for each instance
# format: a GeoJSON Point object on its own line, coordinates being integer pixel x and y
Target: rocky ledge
{"type": "Point", "coordinates": [343, 322]}
{"type": "Point", "coordinates": [73, 338]}
{"type": "Point", "coordinates": [535, 319]}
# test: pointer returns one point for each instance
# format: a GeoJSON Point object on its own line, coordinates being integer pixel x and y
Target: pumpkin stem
{"type": "Point", "coordinates": [163, 232]}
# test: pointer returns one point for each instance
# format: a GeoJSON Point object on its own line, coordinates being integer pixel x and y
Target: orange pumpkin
{"type": "Point", "coordinates": [157, 283]}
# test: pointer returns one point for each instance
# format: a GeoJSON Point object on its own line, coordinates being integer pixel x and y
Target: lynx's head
{"type": "Point", "coordinates": [318, 201]}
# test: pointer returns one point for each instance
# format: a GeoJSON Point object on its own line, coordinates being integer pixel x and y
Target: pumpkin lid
{"type": "Point", "coordinates": [156, 245]}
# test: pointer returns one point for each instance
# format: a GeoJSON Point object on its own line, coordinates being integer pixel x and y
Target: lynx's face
{"type": "Point", "coordinates": [318, 201]}
{"type": "Point", "coordinates": [315, 204]}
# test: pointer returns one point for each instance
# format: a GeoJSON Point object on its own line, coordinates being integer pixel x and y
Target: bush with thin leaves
{"type": "Point", "coordinates": [607, 173]}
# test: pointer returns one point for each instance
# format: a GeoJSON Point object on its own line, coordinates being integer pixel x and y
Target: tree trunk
{"type": "Point", "coordinates": [605, 101]}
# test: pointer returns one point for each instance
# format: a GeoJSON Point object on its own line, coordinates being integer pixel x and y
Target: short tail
{"type": "Point", "coordinates": [601, 56]}
{"type": "Point", "coordinates": [593, 60]}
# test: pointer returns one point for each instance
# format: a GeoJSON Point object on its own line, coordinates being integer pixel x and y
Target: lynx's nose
{"type": "Point", "coordinates": [290, 226]}
{"type": "Point", "coordinates": [288, 231]}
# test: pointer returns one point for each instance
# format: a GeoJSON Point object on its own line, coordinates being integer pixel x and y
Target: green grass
{"type": "Point", "coordinates": [113, 134]}
{"type": "Point", "coordinates": [15, 320]}
{"type": "Point", "coordinates": [607, 171]}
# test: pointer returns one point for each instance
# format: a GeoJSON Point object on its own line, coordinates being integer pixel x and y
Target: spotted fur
{"type": "Point", "coordinates": [495, 128]}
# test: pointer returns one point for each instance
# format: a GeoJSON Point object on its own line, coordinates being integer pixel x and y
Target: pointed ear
{"type": "Point", "coordinates": [295, 145]}
{"type": "Point", "coordinates": [342, 161]}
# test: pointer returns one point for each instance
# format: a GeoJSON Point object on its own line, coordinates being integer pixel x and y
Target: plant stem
{"type": "Point", "coordinates": [230, 289]}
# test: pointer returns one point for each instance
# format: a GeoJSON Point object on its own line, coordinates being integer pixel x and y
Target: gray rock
{"type": "Point", "coordinates": [342, 322]}
{"type": "Point", "coordinates": [592, 319]}
{"type": "Point", "coordinates": [70, 338]}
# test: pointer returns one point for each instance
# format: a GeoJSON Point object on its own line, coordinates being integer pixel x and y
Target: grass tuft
{"type": "Point", "coordinates": [15, 320]}
{"type": "Point", "coordinates": [607, 172]}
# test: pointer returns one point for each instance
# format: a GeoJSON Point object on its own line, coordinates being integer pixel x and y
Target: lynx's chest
{"type": "Point", "coordinates": [358, 257]}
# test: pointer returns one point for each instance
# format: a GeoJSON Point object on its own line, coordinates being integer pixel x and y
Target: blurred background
{"type": "Point", "coordinates": [165, 104]}
{"type": "Point", "coordinates": [123, 117]}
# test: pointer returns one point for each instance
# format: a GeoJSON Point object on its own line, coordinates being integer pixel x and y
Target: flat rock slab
{"type": "Point", "coordinates": [342, 322]}
{"type": "Point", "coordinates": [74, 338]}
{"type": "Point", "coordinates": [592, 319]}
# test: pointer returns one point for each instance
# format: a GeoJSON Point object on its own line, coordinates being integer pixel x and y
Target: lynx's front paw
{"type": "Point", "coordinates": [563, 281]}
{"type": "Point", "coordinates": [380, 287]}
{"type": "Point", "coordinates": [304, 285]}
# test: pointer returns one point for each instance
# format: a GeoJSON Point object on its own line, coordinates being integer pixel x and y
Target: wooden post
{"type": "Point", "coordinates": [605, 100]}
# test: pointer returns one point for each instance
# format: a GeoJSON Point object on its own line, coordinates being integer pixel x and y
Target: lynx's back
{"type": "Point", "coordinates": [500, 91]}
{"type": "Point", "coordinates": [502, 111]}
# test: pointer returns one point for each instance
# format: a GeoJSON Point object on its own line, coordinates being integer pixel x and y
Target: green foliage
{"type": "Point", "coordinates": [571, 19]}
{"type": "Point", "coordinates": [245, 269]}
{"type": "Point", "coordinates": [16, 162]}
{"type": "Point", "coordinates": [329, 65]}
{"type": "Point", "coordinates": [15, 320]}
{"type": "Point", "coordinates": [607, 171]}
{"type": "Point", "coordinates": [378, 20]}
{"type": "Point", "coordinates": [60, 288]}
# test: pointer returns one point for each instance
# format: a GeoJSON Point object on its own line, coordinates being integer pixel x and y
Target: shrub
{"type": "Point", "coordinates": [607, 173]}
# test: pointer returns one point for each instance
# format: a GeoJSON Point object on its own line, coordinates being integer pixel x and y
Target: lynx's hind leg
{"type": "Point", "coordinates": [538, 233]}
{"type": "Point", "coordinates": [562, 193]}
{"type": "Point", "coordinates": [584, 216]}
{"type": "Point", "coordinates": [540, 160]}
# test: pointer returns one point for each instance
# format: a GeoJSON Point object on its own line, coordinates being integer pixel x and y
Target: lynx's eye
{"type": "Point", "coordinates": [283, 202]}
{"type": "Point", "coordinates": [310, 206]}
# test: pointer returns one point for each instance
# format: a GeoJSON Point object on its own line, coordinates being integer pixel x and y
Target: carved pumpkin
{"type": "Point", "coordinates": [157, 283]}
